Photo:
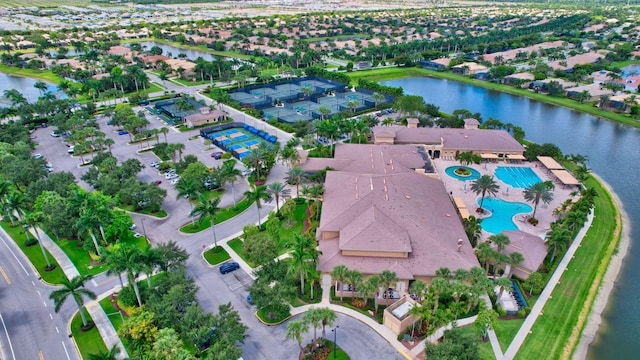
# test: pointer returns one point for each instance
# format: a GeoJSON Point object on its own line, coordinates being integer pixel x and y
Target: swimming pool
{"type": "Point", "coordinates": [502, 213]}
{"type": "Point", "coordinates": [474, 173]}
{"type": "Point", "coordinates": [517, 177]}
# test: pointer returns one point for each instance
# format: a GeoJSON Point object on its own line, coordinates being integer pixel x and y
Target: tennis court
{"type": "Point", "coordinates": [240, 141]}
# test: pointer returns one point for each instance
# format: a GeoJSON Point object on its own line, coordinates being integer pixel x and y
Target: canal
{"type": "Point", "coordinates": [612, 150]}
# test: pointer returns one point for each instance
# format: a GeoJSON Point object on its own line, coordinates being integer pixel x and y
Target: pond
{"type": "Point", "coordinates": [25, 86]}
{"type": "Point", "coordinates": [631, 70]}
{"type": "Point", "coordinates": [173, 51]}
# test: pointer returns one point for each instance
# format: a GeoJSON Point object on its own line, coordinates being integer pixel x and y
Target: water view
{"type": "Point", "coordinates": [25, 86]}
{"type": "Point", "coordinates": [173, 51]}
{"type": "Point", "coordinates": [612, 150]}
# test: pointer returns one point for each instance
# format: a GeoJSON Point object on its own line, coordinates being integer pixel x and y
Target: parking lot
{"type": "Point", "coordinates": [237, 279]}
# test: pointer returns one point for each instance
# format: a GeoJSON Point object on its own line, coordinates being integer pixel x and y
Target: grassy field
{"type": "Point", "coordinates": [221, 216]}
{"type": "Point", "coordinates": [586, 107]}
{"type": "Point", "coordinates": [236, 246]}
{"type": "Point", "coordinates": [34, 253]}
{"type": "Point", "coordinates": [557, 331]}
{"type": "Point", "coordinates": [484, 348]}
{"type": "Point", "coordinates": [215, 256]}
{"type": "Point", "coordinates": [45, 75]}
{"type": "Point", "coordinates": [89, 342]}
{"type": "Point", "coordinates": [506, 330]}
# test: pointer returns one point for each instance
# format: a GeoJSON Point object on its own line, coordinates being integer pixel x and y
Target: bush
{"type": "Point", "coordinates": [358, 303]}
{"type": "Point", "coordinates": [30, 242]}
{"type": "Point", "coordinates": [522, 313]}
{"type": "Point", "coordinates": [226, 155]}
{"type": "Point", "coordinates": [500, 310]}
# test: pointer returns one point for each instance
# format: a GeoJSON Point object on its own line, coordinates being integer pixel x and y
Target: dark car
{"type": "Point", "coordinates": [217, 155]}
{"type": "Point", "coordinates": [229, 267]}
{"type": "Point", "coordinates": [123, 132]}
{"type": "Point", "coordinates": [157, 182]}
{"type": "Point", "coordinates": [250, 299]}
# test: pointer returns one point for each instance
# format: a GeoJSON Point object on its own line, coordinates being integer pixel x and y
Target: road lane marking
{"type": "Point", "coordinates": [65, 350]}
{"type": "Point", "coordinates": [14, 255]}
{"type": "Point", "coordinates": [58, 331]}
{"type": "Point", "coordinates": [8, 338]}
{"type": "Point", "coordinates": [45, 303]}
{"type": "Point", "coordinates": [4, 275]}
{"type": "Point", "coordinates": [50, 316]}
{"type": "Point", "coordinates": [41, 355]}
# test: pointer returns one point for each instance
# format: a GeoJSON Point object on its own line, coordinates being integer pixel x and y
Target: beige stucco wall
{"type": "Point", "coordinates": [329, 235]}
{"type": "Point", "coordinates": [384, 140]}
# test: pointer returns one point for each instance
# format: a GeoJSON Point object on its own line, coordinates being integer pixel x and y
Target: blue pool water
{"type": "Point", "coordinates": [450, 171]}
{"type": "Point", "coordinates": [517, 177]}
{"type": "Point", "coordinates": [502, 213]}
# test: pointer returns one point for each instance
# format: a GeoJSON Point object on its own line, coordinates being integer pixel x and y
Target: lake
{"type": "Point", "coordinates": [612, 149]}
{"type": "Point", "coordinates": [25, 86]}
{"type": "Point", "coordinates": [173, 51]}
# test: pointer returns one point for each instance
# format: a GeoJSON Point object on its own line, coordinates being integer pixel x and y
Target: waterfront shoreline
{"type": "Point", "coordinates": [594, 319]}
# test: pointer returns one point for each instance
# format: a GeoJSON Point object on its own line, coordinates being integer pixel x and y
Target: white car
{"type": "Point", "coordinates": [54, 134]}
{"type": "Point", "coordinates": [246, 172]}
{"type": "Point", "coordinates": [175, 181]}
{"type": "Point", "coordinates": [37, 156]}
{"type": "Point", "coordinates": [153, 164]}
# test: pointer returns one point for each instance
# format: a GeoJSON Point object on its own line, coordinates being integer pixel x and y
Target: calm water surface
{"type": "Point", "coordinates": [25, 86]}
{"type": "Point", "coordinates": [173, 51]}
{"type": "Point", "coordinates": [613, 152]}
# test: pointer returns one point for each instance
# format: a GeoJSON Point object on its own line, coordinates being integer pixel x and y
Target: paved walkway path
{"type": "Point", "coordinates": [536, 311]}
{"type": "Point", "coordinates": [63, 260]}
{"type": "Point", "coordinates": [105, 328]}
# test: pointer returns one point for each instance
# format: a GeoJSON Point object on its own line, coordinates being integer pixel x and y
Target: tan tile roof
{"type": "Point", "coordinates": [532, 247]}
{"type": "Point", "coordinates": [379, 203]}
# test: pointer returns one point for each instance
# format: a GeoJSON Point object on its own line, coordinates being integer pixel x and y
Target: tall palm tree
{"type": "Point", "coordinates": [206, 208]}
{"type": "Point", "coordinates": [295, 176]}
{"type": "Point", "coordinates": [231, 174]}
{"type": "Point", "coordinates": [132, 261]}
{"type": "Point", "coordinates": [150, 258]}
{"type": "Point", "coordinates": [115, 262]}
{"type": "Point", "coordinates": [164, 130]}
{"type": "Point", "coordinates": [256, 159]}
{"type": "Point", "coordinates": [15, 204]}
{"type": "Point", "coordinates": [188, 188]}
{"type": "Point", "coordinates": [179, 147]}
{"type": "Point", "coordinates": [437, 287]}
{"type": "Point", "coordinates": [484, 253]}
{"type": "Point", "coordinates": [535, 193]}
{"type": "Point", "coordinates": [257, 194]}
{"type": "Point", "coordinates": [300, 254]}
{"type": "Point", "coordinates": [295, 329]}
{"type": "Point", "coordinates": [515, 258]}
{"type": "Point", "coordinates": [277, 190]}
{"type": "Point", "coordinates": [33, 220]}
{"type": "Point", "coordinates": [74, 288]}
{"type": "Point", "coordinates": [313, 317]}
{"type": "Point", "coordinates": [388, 277]}
{"type": "Point", "coordinates": [86, 225]}
{"type": "Point", "coordinates": [557, 239]}
{"type": "Point", "coordinates": [465, 158]}
{"type": "Point", "coordinates": [338, 274]}
{"type": "Point", "coordinates": [485, 184]}
{"type": "Point", "coordinates": [328, 317]}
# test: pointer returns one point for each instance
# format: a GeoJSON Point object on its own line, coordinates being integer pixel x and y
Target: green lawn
{"type": "Point", "coordinates": [89, 342]}
{"type": "Point", "coordinates": [339, 354]}
{"type": "Point", "coordinates": [506, 330]}
{"type": "Point", "coordinates": [190, 82]}
{"type": "Point", "coordinates": [484, 348]}
{"type": "Point", "coordinates": [45, 75]}
{"type": "Point", "coordinates": [160, 214]}
{"type": "Point", "coordinates": [236, 246]}
{"type": "Point", "coordinates": [215, 256]}
{"type": "Point", "coordinates": [586, 107]}
{"type": "Point", "coordinates": [289, 230]}
{"type": "Point", "coordinates": [81, 259]}
{"type": "Point", "coordinates": [34, 253]}
{"type": "Point", "coordinates": [557, 332]}
{"type": "Point", "coordinates": [221, 216]}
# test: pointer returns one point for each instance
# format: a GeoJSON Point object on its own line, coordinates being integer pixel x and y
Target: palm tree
{"type": "Point", "coordinates": [503, 283]}
{"type": "Point", "coordinates": [277, 190]}
{"type": "Point", "coordinates": [324, 111]}
{"type": "Point", "coordinates": [256, 159]}
{"type": "Point", "coordinates": [179, 147]}
{"type": "Point", "coordinates": [15, 203]}
{"type": "Point", "coordinates": [106, 355]}
{"type": "Point", "coordinates": [295, 176]}
{"type": "Point", "coordinates": [33, 220]}
{"type": "Point", "coordinates": [515, 258]}
{"type": "Point", "coordinates": [164, 130]}
{"type": "Point", "coordinates": [295, 329]}
{"type": "Point", "coordinates": [387, 278]}
{"type": "Point", "coordinates": [484, 253]}
{"type": "Point", "coordinates": [483, 185]}
{"type": "Point", "coordinates": [378, 98]}
{"type": "Point", "coordinates": [15, 97]}
{"type": "Point", "coordinates": [473, 229]}
{"type": "Point", "coordinates": [231, 174]}
{"type": "Point", "coordinates": [437, 287]}
{"type": "Point", "coordinates": [75, 288]}
{"type": "Point", "coordinates": [339, 273]}
{"type": "Point", "coordinates": [41, 86]}
{"type": "Point", "coordinates": [465, 158]}
{"type": "Point", "coordinates": [258, 194]}
{"type": "Point", "coordinates": [327, 317]}
{"type": "Point", "coordinates": [500, 240]}
{"type": "Point", "coordinates": [115, 262]}
{"type": "Point", "coordinates": [557, 239]}
{"type": "Point", "coordinates": [313, 317]}
{"type": "Point", "coordinates": [86, 224]}
{"type": "Point", "coordinates": [188, 188]}
{"type": "Point", "coordinates": [132, 261]}
{"type": "Point", "coordinates": [206, 208]}
{"type": "Point", "coordinates": [301, 247]}
{"type": "Point", "coordinates": [535, 193]}
{"type": "Point", "coordinates": [354, 278]}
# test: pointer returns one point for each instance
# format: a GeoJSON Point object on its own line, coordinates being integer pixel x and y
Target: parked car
{"type": "Point", "coordinates": [54, 134]}
{"type": "Point", "coordinates": [250, 299]}
{"type": "Point", "coordinates": [157, 182]}
{"type": "Point", "coordinates": [153, 164]}
{"type": "Point", "coordinates": [71, 149]}
{"type": "Point", "coordinates": [229, 267]}
{"type": "Point", "coordinates": [123, 132]}
{"type": "Point", "coordinates": [217, 155]}
{"type": "Point", "coordinates": [37, 156]}
{"type": "Point", "coordinates": [175, 181]}
{"type": "Point", "coordinates": [246, 172]}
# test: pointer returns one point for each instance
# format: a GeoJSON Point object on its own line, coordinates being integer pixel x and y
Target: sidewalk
{"type": "Point", "coordinates": [536, 311]}
{"type": "Point", "coordinates": [63, 260]}
{"type": "Point", "coordinates": [105, 328]}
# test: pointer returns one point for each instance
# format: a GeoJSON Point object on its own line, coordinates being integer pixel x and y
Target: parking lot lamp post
{"type": "Point", "coordinates": [335, 339]}
{"type": "Point", "coordinates": [143, 230]}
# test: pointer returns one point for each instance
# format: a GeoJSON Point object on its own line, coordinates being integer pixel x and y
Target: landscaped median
{"type": "Point", "coordinates": [88, 342]}
{"type": "Point", "coordinates": [558, 329]}
{"type": "Point", "coordinates": [221, 216]}
{"type": "Point", "coordinates": [34, 253]}
{"type": "Point", "coordinates": [216, 255]}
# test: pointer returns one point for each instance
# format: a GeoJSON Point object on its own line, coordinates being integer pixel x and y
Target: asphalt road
{"type": "Point", "coordinates": [29, 327]}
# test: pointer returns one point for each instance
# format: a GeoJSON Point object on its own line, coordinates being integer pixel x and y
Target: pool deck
{"type": "Point", "coordinates": [544, 213]}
